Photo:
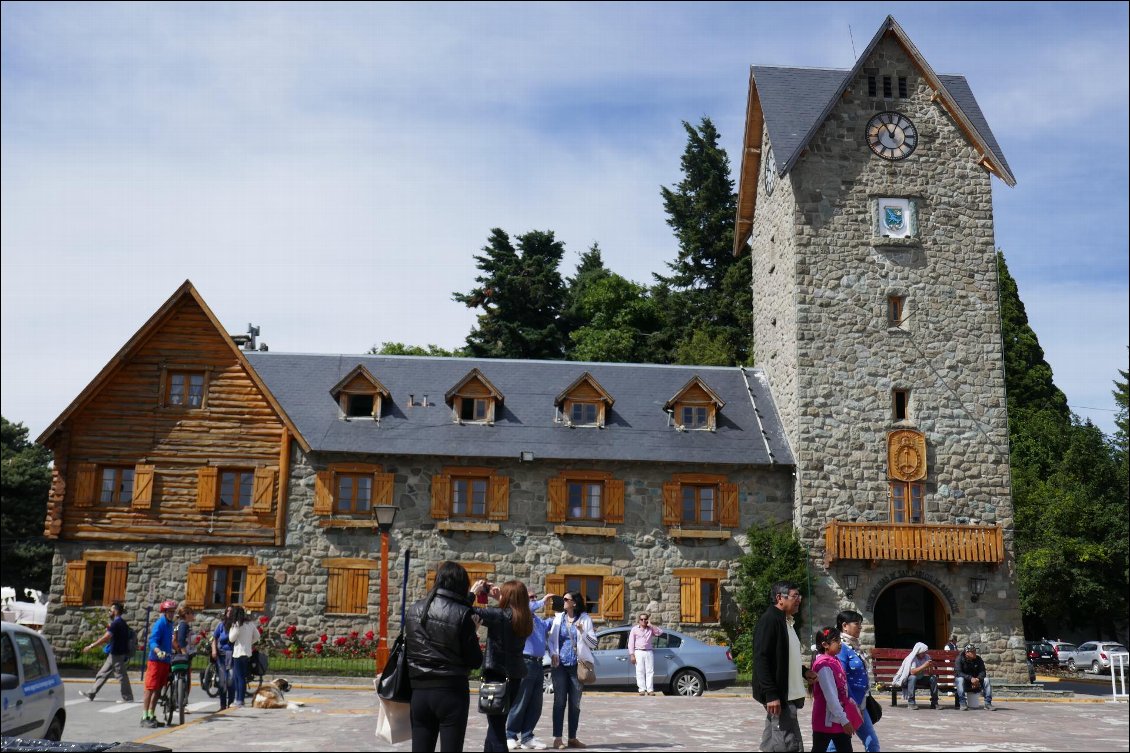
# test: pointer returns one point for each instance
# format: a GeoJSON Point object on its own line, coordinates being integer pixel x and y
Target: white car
{"type": "Point", "coordinates": [32, 689]}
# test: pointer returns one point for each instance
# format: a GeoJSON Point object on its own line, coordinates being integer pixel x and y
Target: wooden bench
{"type": "Point", "coordinates": [885, 663]}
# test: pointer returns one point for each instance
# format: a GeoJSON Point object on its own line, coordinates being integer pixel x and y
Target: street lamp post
{"type": "Point", "coordinates": [386, 514]}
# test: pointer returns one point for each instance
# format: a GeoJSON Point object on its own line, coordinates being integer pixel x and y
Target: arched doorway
{"type": "Point", "coordinates": [908, 612]}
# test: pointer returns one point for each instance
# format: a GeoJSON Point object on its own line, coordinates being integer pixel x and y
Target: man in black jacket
{"type": "Point", "coordinates": [778, 674]}
{"type": "Point", "coordinates": [970, 677]}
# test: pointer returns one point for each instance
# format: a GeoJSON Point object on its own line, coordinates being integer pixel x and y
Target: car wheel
{"type": "Point", "coordinates": [688, 682]}
{"type": "Point", "coordinates": [54, 733]}
{"type": "Point", "coordinates": [1095, 668]}
{"type": "Point", "coordinates": [546, 681]}
{"type": "Point", "coordinates": [1071, 666]}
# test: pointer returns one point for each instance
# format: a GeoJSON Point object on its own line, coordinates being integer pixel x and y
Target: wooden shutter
{"type": "Point", "coordinates": [206, 488]}
{"type": "Point", "coordinates": [614, 500]}
{"type": "Point", "coordinates": [383, 488]}
{"type": "Point", "coordinates": [729, 514]}
{"type": "Point", "coordinates": [357, 591]}
{"type": "Point", "coordinates": [74, 587]}
{"type": "Point", "coordinates": [555, 495]}
{"type": "Point", "coordinates": [263, 492]}
{"type": "Point", "coordinates": [256, 597]}
{"type": "Point", "coordinates": [672, 512]}
{"type": "Point", "coordinates": [689, 599]}
{"type": "Point", "coordinates": [554, 584]}
{"type": "Point", "coordinates": [86, 478]}
{"type": "Point", "coordinates": [441, 498]}
{"type": "Point", "coordinates": [430, 580]}
{"type": "Point", "coordinates": [324, 493]}
{"type": "Point", "coordinates": [115, 582]}
{"type": "Point", "coordinates": [498, 505]}
{"type": "Point", "coordinates": [197, 587]}
{"type": "Point", "coordinates": [142, 487]}
{"type": "Point", "coordinates": [612, 597]}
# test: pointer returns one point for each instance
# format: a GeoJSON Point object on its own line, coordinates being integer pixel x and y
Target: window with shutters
{"type": "Point", "coordinates": [906, 502]}
{"type": "Point", "coordinates": [603, 591]}
{"type": "Point", "coordinates": [475, 571]}
{"type": "Point", "coordinates": [99, 578]}
{"type": "Point", "coordinates": [351, 491]}
{"type": "Point", "coordinates": [697, 501]}
{"type": "Point", "coordinates": [585, 498]}
{"type": "Point", "coordinates": [184, 388]}
{"type": "Point", "coordinates": [347, 587]}
{"type": "Point", "coordinates": [116, 485]}
{"type": "Point", "coordinates": [470, 494]}
{"type": "Point", "coordinates": [700, 594]}
{"type": "Point", "coordinates": [217, 581]}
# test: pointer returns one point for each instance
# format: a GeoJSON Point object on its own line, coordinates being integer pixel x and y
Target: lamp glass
{"type": "Point", "coordinates": [977, 585]}
{"type": "Point", "coordinates": [851, 581]}
{"type": "Point", "coordinates": [386, 515]}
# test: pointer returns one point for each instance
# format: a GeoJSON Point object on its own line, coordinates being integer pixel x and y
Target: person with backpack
{"type": "Point", "coordinates": [120, 642]}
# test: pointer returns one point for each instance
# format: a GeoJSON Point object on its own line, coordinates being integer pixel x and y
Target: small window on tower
{"type": "Point", "coordinates": [896, 310]}
{"type": "Point", "coordinates": [902, 87]}
{"type": "Point", "coordinates": [900, 403]}
{"type": "Point", "coordinates": [872, 86]}
{"type": "Point", "coordinates": [887, 91]}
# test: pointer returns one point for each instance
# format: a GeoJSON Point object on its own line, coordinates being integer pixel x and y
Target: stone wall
{"type": "Point", "coordinates": [525, 548]}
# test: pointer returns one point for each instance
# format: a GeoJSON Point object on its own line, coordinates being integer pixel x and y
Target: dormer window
{"type": "Point", "coordinates": [360, 395]}
{"type": "Point", "coordinates": [584, 403]}
{"type": "Point", "coordinates": [695, 407]}
{"type": "Point", "coordinates": [474, 400]}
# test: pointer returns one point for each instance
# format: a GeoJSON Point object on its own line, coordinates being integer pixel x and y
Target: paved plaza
{"type": "Point", "coordinates": [341, 718]}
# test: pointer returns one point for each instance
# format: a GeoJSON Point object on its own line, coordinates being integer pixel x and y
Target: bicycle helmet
{"type": "Point", "coordinates": [168, 604]}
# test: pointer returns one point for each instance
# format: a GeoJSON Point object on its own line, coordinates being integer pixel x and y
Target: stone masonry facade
{"type": "Point", "coordinates": [821, 282]}
{"type": "Point", "coordinates": [525, 548]}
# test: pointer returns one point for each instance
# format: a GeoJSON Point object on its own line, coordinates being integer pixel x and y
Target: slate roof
{"type": "Point", "coordinates": [636, 426]}
{"type": "Point", "coordinates": [793, 99]}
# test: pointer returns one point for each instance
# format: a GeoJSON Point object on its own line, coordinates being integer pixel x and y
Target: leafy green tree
{"type": "Point", "coordinates": [400, 349]}
{"type": "Point", "coordinates": [25, 480]}
{"type": "Point", "coordinates": [1122, 422]}
{"type": "Point", "coordinates": [614, 319]}
{"type": "Point", "coordinates": [709, 288]}
{"type": "Point", "coordinates": [775, 554]}
{"type": "Point", "coordinates": [521, 294]}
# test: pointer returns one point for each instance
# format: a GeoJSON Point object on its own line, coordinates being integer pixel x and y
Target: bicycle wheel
{"type": "Point", "coordinates": [209, 680]}
{"type": "Point", "coordinates": [166, 702]}
{"type": "Point", "coordinates": [181, 696]}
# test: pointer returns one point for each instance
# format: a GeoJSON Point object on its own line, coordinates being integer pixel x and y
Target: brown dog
{"type": "Point", "coordinates": [272, 695]}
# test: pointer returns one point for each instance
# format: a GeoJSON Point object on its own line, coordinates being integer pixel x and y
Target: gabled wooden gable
{"type": "Point", "coordinates": [695, 392]}
{"type": "Point", "coordinates": [585, 387]}
{"type": "Point", "coordinates": [360, 382]}
{"type": "Point", "coordinates": [474, 388]}
{"type": "Point", "coordinates": [585, 397]}
{"type": "Point", "coordinates": [475, 384]}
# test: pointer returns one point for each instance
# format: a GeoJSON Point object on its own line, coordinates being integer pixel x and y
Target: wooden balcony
{"type": "Point", "coordinates": [952, 544]}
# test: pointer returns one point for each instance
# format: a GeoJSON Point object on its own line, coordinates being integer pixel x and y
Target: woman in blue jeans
{"type": "Point", "coordinates": [850, 624]}
{"type": "Point", "coordinates": [571, 639]}
{"type": "Point", "coordinates": [221, 655]}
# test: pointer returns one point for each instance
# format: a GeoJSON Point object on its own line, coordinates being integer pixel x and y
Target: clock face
{"type": "Point", "coordinates": [891, 135]}
{"type": "Point", "coordinates": [770, 172]}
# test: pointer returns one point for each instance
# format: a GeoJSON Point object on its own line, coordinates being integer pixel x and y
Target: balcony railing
{"type": "Point", "coordinates": [915, 543]}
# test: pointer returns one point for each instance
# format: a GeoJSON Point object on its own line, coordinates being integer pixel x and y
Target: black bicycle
{"type": "Point", "coordinates": [210, 675]}
{"type": "Point", "coordinates": [174, 694]}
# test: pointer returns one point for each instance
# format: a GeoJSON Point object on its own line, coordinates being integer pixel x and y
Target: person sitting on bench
{"type": "Point", "coordinates": [917, 667]}
{"type": "Point", "coordinates": [970, 677]}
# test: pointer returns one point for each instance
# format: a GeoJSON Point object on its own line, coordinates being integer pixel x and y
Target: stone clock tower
{"type": "Point", "coordinates": [865, 196]}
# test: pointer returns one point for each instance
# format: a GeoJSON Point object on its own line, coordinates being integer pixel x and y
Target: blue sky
{"type": "Point", "coordinates": [327, 172]}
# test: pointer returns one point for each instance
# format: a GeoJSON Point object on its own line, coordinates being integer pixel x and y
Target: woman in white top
{"type": "Point", "coordinates": [571, 640]}
{"type": "Point", "coordinates": [243, 635]}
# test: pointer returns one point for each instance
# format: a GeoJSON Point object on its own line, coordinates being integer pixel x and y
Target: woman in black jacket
{"type": "Point", "coordinates": [508, 626]}
{"type": "Point", "coordinates": [442, 648]}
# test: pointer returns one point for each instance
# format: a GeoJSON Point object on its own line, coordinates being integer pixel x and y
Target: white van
{"type": "Point", "coordinates": [31, 687]}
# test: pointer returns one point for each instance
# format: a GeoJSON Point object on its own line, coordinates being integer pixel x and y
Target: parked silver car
{"type": "Point", "coordinates": [683, 665]}
{"type": "Point", "coordinates": [1064, 651]}
{"type": "Point", "coordinates": [1095, 655]}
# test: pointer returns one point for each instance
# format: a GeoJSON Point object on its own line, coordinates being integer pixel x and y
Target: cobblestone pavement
{"type": "Point", "coordinates": [341, 719]}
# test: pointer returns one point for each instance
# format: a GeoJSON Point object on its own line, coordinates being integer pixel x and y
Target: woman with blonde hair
{"type": "Point", "coordinates": [508, 626]}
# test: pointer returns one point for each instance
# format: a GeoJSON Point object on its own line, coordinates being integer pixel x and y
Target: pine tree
{"type": "Point", "coordinates": [709, 288]}
{"type": "Point", "coordinates": [521, 294]}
